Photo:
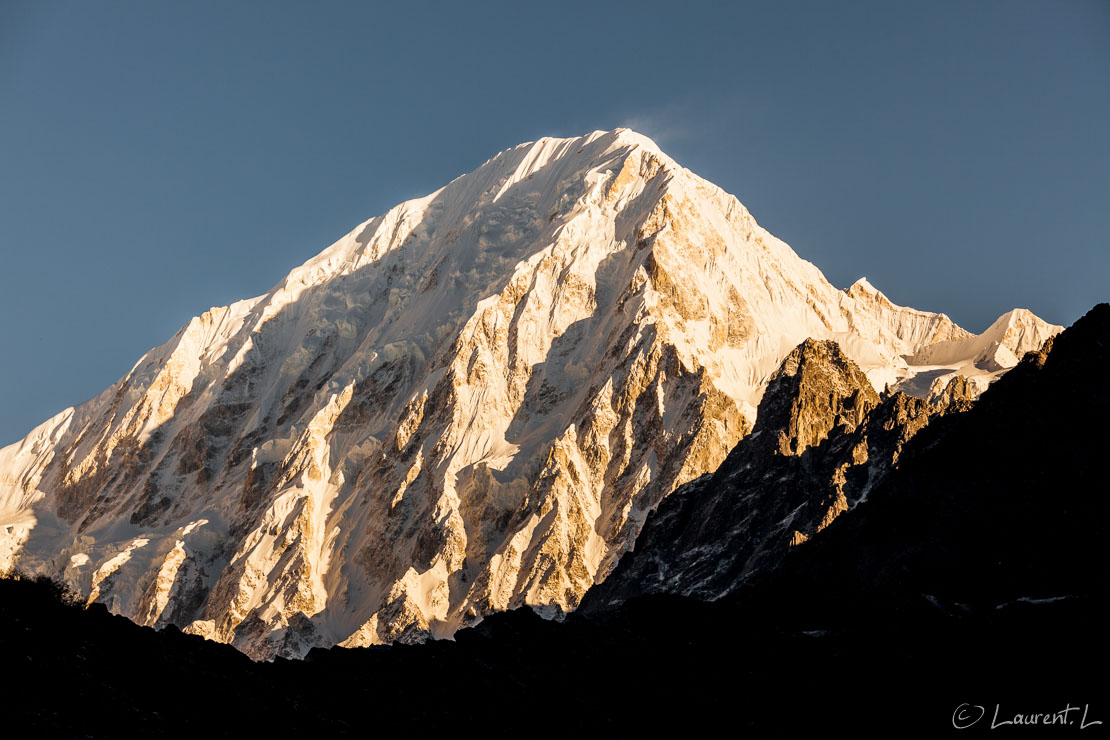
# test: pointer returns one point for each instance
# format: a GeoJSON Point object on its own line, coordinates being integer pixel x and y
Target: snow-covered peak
{"type": "Point", "coordinates": [527, 159]}
{"type": "Point", "coordinates": [1021, 331]}
{"type": "Point", "coordinates": [1018, 331]}
{"type": "Point", "coordinates": [468, 403]}
{"type": "Point", "coordinates": [863, 286]}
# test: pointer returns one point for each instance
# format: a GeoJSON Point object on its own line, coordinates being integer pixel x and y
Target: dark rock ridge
{"type": "Point", "coordinates": [822, 440]}
{"type": "Point", "coordinates": [758, 671]}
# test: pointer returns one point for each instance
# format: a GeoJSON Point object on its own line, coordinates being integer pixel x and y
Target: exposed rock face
{"type": "Point", "coordinates": [815, 390]}
{"type": "Point", "coordinates": [467, 404]}
{"type": "Point", "coordinates": [823, 439]}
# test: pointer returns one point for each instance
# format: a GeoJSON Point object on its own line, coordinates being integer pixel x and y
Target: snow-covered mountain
{"type": "Point", "coordinates": [467, 404]}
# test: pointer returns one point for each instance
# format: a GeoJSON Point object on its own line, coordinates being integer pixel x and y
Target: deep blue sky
{"type": "Point", "coordinates": [158, 159]}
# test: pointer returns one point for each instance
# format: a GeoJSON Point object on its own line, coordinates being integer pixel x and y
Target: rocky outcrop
{"type": "Point", "coordinates": [824, 438]}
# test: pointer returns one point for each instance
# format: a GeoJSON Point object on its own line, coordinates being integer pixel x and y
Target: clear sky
{"type": "Point", "coordinates": [157, 159]}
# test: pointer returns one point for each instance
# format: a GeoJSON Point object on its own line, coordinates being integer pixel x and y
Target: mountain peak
{"type": "Point", "coordinates": [467, 404]}
{"type": "Point", "coordinates": [816, 388]}
{"type": "Point", "coordinates": [863, 285]}
{"type": "Point", "coordinates": [1003, 343]}
{"type": "Point", "coordinates": [596, 145]}
{"type": "Point", "coordinates": [635, 137]}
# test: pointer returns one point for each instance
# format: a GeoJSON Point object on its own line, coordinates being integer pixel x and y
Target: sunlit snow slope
{"type": "Point", "coordinates": [466, 404]}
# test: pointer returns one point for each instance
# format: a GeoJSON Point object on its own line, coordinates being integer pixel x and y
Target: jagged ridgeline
{"type": "Point", "coordinates": [467, 404]}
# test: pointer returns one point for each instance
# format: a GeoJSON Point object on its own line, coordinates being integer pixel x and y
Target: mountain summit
{"type": "Point", "coordinates": [467, 404]}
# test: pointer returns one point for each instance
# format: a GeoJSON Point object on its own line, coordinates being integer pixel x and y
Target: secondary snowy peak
{"type": "Point", "coordinates": [917, 328]}
{"type": "Point", "coordinates": [1016, 332]}
{"type": "Point", "coordinates": [466, 404]}
{"type": "Point", "coordinates": [943, 349]}
{"type": "Point", "coordinates": [982, 358]}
